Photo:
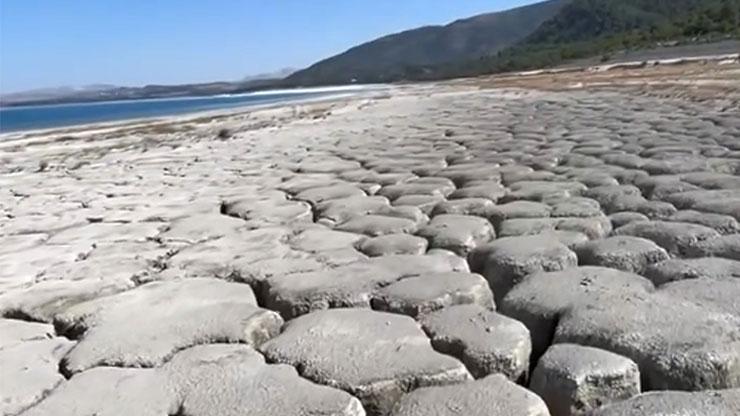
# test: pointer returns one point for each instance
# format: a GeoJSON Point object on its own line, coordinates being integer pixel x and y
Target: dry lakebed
{"type": "Point", "coordinates": [550, 243]}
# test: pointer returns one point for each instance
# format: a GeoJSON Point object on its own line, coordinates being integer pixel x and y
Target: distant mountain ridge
{"type": "Point", "coordinates": [389, 57]}
{"type": "Point", "coordinates": [104, 92]}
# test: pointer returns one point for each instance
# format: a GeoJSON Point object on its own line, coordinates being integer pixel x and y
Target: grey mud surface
{"type": "Point", "coordinates": [419, 251]}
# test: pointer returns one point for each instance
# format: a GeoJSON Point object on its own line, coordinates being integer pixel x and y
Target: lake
{"type": "Point", "coordinates": [58, 115]}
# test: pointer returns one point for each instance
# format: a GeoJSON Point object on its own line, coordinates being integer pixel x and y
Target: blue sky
{"type": "Point", "coordinates": [47, 43]}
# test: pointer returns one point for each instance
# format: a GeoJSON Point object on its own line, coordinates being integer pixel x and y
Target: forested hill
{"type": "Point", "coordinates": [585, 20]}
{"type": "Point", "coordinates": [584, 28]}
{"type": "Point", "coordinates": [541, 35]}
{"type": "Point", "coordinates": [391, 57]}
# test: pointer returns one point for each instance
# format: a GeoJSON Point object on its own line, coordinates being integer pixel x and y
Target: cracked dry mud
{"type": "Point", "coordinates": [424, 250]}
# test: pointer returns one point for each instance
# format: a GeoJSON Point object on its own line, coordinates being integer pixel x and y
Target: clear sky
{"type": "Point", "coordinates": [48, 43]}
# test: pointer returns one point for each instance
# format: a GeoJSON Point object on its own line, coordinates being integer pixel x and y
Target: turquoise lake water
{"type": "Point", "coordinates": [46, 116]}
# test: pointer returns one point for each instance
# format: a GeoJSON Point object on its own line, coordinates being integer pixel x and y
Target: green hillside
{"type": "Point", "coordinates": [541, 35]}
{"type": "Point", "coordinates": [585, 28]}
{"type": "Point", "coordinates": [398, 55]}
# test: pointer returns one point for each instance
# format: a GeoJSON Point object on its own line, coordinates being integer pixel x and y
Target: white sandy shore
{"type": "Point", "coordinates": [332, 93]}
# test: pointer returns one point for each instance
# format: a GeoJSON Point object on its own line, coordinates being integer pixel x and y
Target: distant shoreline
{"type": "Point", "coordinates": [340, 93]}
{"type": "Point", "coordinates": [44, 117]}
{"type": "Point", "coordinates": [104, 100]}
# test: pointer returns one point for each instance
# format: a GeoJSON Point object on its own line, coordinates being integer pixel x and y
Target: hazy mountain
{"type": "Point", "coordinates": [389, 57]}
{"type": "Point", "coordinates": [279, 74]}
{"type": "Point", "coordinates": [39, 94]}
{"type": "Point", "coordinates": [104, 92]}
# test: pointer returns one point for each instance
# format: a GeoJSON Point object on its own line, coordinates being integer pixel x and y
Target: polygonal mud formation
{"type": "Point", "coordinates": [722, 201]}
{"type": "Point", "coordinates": [593, 227]}
{"type": "Point", "coordinates": [43, 300]}
{"type": "Point", "coordinates": [457, 233]}
{"type": "Point", "coordinates": [575, 207]}
{"type": "Point", "coordinates": [337, 211]}
{"type": "Point", "coordinates": [192, 383]}
{"type": "Point", "coordinates": [485, 341]}
{"type": "Point", "coordinates": [377, 225]}
{"type": "Point", "coordinates": [235, 256]}
{"type": "Point", "coordinates": [661, 190]}
{"type": "Point", "coordinates": [635, 157]}
{"type": "Point", "coordinates": [660, 403]}
{"type": "Point", "coordinates": [712, 180]}
{"type": "Point", "coordinates": [320, 239]}
{"type": "Point", "coordinates": [176, 315]}
{"type": "Point", "coordinates": [570, 239]}
{"type": "Point", "coordinates": [609, 196]}
{"type": "Point", "coordinates": [201, 228]}
{"type": "Point", "coordinates": [574, 380]}
{"type": "Point", "coordinates": [409, 212]}
{"type": "Point", "coordinates": [723, 224]}
{"type": "Point", "coordinates": [677, 238]}
{"type": "Point", "coordinates": [541, 298]}
{"type": "Point", "coordinates": [325, 165]}
{"type": "Point", "coordinates": [457, 263]}
{"type": "Point", "coordinates": [110, 391]}
{"type": "Point", "coordinates": [199, 375]}
{"type": "Point", "coordinates": [375, 356]}
{"type": "Point", "coordinates": [425, 203]}
{"type": "Point", "coordinates": [478, 207]}
{"type": "Point", "coordinates": [422, 294]}
{"type": "Point", "coordinates": [518, 227]}
{"type": "Point", "coordinates": [517, 209]}
{"type": "Point", "coordinates": [29, 358]}
{"type": "Point", "coordinates": [727, 246]}
{"type": "Point", "coordinates": [679, 269]}
{"type": "Point", "coordinates": [619, 219]}
{"type": "Point", "coordinates": [464, 173]}
{"type": "Point", "coordinates": [506, 261]}
{"type": "Point", "coordinates": [541, 190]}
{"type": "Point", "coordinates": [678, 345]}
{"type": "Point", "coordinates": [719, 294]}
{"type": "Point", "coordinates": [489, 190]}
{"type": "Point", "coordinates": [326, 193]}
{"type": "Point", "coordinates": [391, 244]}
{"type": "Point", "coordinates": [352, 285]}
{"type": "Point", "coordinates": [630, 254]}
{"type": "Point", "coordinates": [441, 188]}
{"type": "Point", "coordinates": [296, 184]}
{"type": "Point", "coordinates": [729, 206]}
{"type": "Point", "coordinates": [266, 212]}
{"type": "Point", "coordinates": [491, 396]}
